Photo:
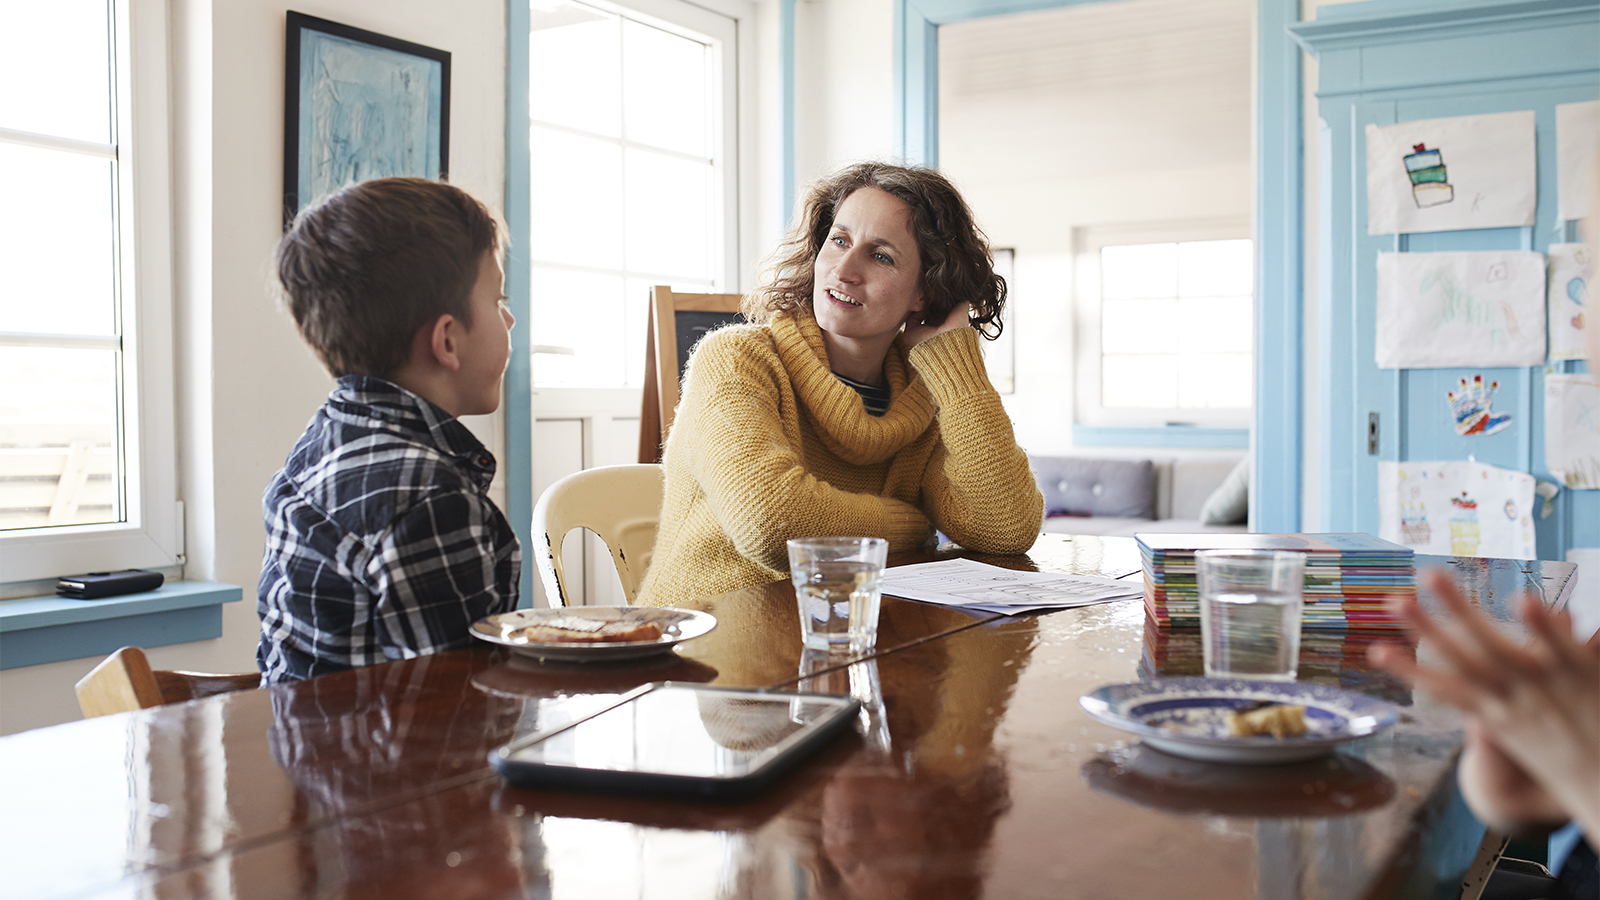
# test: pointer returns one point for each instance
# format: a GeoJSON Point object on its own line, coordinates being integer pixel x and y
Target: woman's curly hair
{"type": "Point", "coordinates": [956, 265]}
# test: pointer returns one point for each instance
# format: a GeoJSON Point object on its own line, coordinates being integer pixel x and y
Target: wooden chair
{"type": "Point", "coordinates": [676, 322]}
{"type": "Point", "coordinates": [621, 504]}
{"type": "Point", "coordinates": [124, 682]}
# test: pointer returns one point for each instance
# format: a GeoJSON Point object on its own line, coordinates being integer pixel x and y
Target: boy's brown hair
{"type": "Point", "coordinates": [366, 266]}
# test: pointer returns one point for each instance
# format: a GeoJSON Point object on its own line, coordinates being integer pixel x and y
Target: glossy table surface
{"type": "Point", "coordinates": [975, 774]}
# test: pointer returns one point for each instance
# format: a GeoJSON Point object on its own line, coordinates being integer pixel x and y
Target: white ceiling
{"type": "Point", "coordinates": [1096, 89]}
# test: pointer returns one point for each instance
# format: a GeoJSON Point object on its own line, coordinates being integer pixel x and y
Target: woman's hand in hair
{"type": "Point", "coordinates": [917, 332]}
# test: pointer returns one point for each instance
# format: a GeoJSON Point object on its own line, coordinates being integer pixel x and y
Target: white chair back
{"type": "Point", "coordinates": [620, 504]}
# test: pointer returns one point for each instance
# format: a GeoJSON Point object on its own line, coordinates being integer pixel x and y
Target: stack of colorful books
{"type": "Point", "coordinates": [1350, 578]}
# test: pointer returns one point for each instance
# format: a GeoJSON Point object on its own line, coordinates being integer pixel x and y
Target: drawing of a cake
{"type": "Point", "coordinates": [1414, 528]}
{"type": "Point", "coordinates": [1430, 184]}
{"type": "Point", "coordinates": [1464, 529]}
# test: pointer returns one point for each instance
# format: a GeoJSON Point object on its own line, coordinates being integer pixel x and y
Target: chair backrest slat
{"type": "Point", "coordinates": [620, 504]}
{"type": "Point", "coordinates": [124, 682]}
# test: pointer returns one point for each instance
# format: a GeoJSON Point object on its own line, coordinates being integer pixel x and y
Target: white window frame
{"type": "Point", "coordinates": [151, 536]}
{"type": "Point", "coordinates": [1087, 243]}
{"type": "Point", "coordinates": [721, 22]}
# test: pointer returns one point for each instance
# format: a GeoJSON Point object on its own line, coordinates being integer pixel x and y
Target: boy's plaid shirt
{"type": "Point", "coordinates": [382, 542]}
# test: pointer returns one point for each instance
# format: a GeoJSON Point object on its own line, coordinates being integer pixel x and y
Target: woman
{"type": "Point", "coordinates": [857, 404]}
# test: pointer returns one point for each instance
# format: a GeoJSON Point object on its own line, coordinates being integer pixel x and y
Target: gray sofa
{"type": "Point", "coordinates": [1111, 496]}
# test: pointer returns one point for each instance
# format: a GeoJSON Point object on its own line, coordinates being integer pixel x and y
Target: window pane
{"type": "Point", "coordinates": [1214, 380]}
{"type": "Point", "coordinates": [669, 216]}
{"type": "Point", "coordinates": [55, 64]}
{"type": "Point", "coordinates": [1215, 268]}
{"type": "Point", "coordinates": [1217, 325]}
{"type": "Point", "coordinates": [56, 242]}
{"type": "Point", "coordinates": [576, 200]}
{"type": "Point", "coordinates": [635, 205]}
{"type": "Point", "coordinates": [1139, 326]}
{"type": "Point", "coordinates": [666, 82]}
{"type": "Point", "coordinates": [1139, 270]}
{"type": "Point", "coordinates": [575, 67]}
{"type": "Point", "coordinates": [1139, 381]}
{"type": "Point", "coordinates": [57, 437]}
{"type": "Point", "coordinates": [567, 306]}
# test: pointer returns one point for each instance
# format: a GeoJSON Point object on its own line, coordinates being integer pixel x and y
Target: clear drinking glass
{"type": "Point", "coordinates": [1250, 605]}
{"type": "Point", "coordinates": [837, 582]}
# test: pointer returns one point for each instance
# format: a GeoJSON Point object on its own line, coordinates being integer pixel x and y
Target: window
{"type": "Point", "coordinates": [1165, 326]}
{"type": "Point", "coordinates": [631, 182]}
{"type": "Point", "coordinates": [86, 435]}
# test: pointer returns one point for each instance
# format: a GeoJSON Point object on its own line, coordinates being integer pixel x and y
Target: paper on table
{"type": "Point", "coordinates": [974, 585]}
{"type": "Point", "coordinates": [1442, 310]}
{"type": "Point", "coordinates": [1577, 134]}
{"type": "Point", "coordinates": [1451, 174]}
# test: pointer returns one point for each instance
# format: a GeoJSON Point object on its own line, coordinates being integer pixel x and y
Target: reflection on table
{"type": "Point", "coordinates": [974, 774]}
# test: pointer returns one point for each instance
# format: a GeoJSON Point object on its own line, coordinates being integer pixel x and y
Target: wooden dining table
{"type": "Point", "coordinates": [972, 773]}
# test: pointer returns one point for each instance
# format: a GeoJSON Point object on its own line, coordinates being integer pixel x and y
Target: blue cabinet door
{"type": "Point", "coordinates": [1392, 61]}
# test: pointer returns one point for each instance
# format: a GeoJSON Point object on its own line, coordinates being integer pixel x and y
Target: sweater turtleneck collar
{"type": "Point", "coordinates": [835, 407]}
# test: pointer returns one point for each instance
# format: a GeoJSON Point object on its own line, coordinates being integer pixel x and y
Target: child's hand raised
{"type": "Point", "coordinates": [1533, 707]}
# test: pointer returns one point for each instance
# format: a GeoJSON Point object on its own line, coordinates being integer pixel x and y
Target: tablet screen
{"type": "Point", "coordinates": [688, 731]}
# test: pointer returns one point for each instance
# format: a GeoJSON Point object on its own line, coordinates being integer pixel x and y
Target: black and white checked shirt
{"type": "Point", "coordinates": [382, 542]}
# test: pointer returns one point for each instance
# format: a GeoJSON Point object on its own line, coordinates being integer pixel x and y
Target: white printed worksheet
{"type": "Point", "coordinates": [975, 585]}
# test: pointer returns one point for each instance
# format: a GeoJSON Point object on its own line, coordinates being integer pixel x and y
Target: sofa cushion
{"type": "Point", "coordinates": [1194, 480]}
{"type": "Point", "coordinates": [1229, 504]}
{"type": "Point", "coordinates": [1122, 488]}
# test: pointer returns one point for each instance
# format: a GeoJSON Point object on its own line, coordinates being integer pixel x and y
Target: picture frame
{"type": "Point", "coordinates": [359, 105]}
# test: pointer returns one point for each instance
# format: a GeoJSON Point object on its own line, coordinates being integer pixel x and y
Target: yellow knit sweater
{"type": "Point", "coordinates": [769, 445]}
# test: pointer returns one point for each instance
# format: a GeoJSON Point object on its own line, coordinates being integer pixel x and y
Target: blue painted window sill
{"type": "Point", "coordinates": [1190, 436]}
{"type": "Point", "coordinates": [36, 630]}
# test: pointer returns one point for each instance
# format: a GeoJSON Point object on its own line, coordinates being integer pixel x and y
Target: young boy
{"type": "Point", "coordinates": [382, 542]}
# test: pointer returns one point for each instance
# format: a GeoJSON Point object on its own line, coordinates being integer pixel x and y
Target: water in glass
{"type": "Point", "coordinates": [1251, 635]}
{"type": "Point", "coordinates": [838, 601]}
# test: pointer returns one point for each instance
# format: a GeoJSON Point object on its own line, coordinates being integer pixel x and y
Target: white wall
{"type": "Point", "coordinates": [247, 384]}
{"type": "Point", "coordinates": [844, 85]}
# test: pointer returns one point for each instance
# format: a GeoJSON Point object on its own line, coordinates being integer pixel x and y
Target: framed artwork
{"type": "Point", "coordinates": [359, 105]}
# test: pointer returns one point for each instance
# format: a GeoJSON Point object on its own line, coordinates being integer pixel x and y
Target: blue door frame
{"type": "Point", "coordinates": [1275, 489]}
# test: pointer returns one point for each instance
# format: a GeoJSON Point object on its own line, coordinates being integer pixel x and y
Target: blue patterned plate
{"type": "Point", "coordinates": [1188, 716]}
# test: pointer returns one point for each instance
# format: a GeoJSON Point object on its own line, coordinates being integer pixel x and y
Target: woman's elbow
{"type": "Point", "coordinates": [1007, 531]}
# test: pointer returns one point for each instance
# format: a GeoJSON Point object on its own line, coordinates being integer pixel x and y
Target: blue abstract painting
{"type": "Point", "coordinates": [365, 112]}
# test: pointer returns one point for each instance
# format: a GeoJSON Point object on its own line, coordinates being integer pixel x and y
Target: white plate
{"type": "Point", "coordinates": [1188, 716]}
{"type": "Point", "coordinates": [678, 625]}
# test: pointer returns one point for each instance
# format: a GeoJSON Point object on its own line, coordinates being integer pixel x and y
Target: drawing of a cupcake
{"type": "Point", "coordinates": [1430, 184]}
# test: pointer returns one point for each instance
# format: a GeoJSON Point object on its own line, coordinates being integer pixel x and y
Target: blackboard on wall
{"type": "Point", "coordinates": [692, 325]}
